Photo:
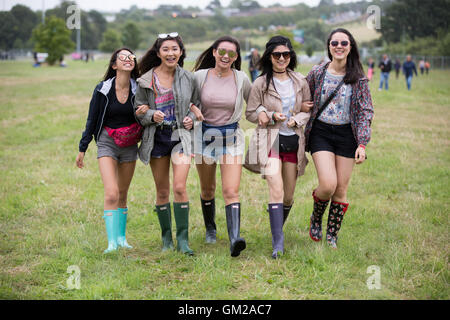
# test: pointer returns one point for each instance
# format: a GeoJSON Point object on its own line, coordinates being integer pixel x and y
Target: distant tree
{"type": "Point", "coordinates": [427, 18]}
{"type": "Point", "coordinates": [8, 30]}
{"type": "Point", "coordinates": [309, 50]}
{"type": "Point", "coordinates": [111, 41]}
{"type": "Point", "coordinates": [27, 19]}
{"type": "Point", "coordinates": [214, 5]}
{"type": "Point", "coordinates": [54, 38]}
{"type": "Point", "coordinates": [131, 36]}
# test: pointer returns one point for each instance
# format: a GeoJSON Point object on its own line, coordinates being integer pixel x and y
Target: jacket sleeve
{"type": "Point", "coordinates": [364, 113]}
{"type": "Point", "coordinates": [142, 97]}
{"type": "Point", "coordinates": [195, 97]}
{"type": "Point", "coordinates": [302, 118]}
{"type": "Point", "coordinates": [91, 121]}
{"type": "Point", "coordinates": [247, 87]}
{"type": "Point", "coordinates": [310, 78]}
{"type": "Point", "coordinates": [254, 103]}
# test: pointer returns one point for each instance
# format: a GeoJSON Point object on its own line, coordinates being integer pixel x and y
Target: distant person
{"type": "Point", "coordinates": [427, 66]}
{"type": "Point", "coordinates": [36, 61]}
{"type": "Point", "coordinates": [62, 63]}
{"type": "Point", "coordinates": [370, 70]}
{"type": "Point", "coordinates": [422, 66]}
{"type": "Point", "coordinates": [385, 66]}
{"type": "Point", "coordinates": [408, 68]}
{"type": "Point", "coordinates": [111, 122]}
{"type": "Point", "coordinates": [253, 63]}
{"type": "Point", "coordinates": [87, 57]}
{"type": "Point", "coordinates": [338, 131]}
{"type": "Point", "coordinates": [397, 67]}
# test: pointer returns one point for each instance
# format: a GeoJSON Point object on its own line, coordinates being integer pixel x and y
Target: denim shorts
{"type": "Point", "coordinates": [215, 141]}
{"type": "Point", "coordinates": [106, 147]}
{"type": "Point", "coordinates": [338, 139]}
{"type": "Point", "coordinates": [163, 144]}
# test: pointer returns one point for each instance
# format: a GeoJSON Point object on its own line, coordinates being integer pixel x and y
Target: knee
{"type": "Point", "coordinates": [112, 196]}
{"type": "Point", "coordinates": [341, 191]}
{"type": "Point", "coordinates": [209, 192]}
{"type": "Point", "coordinates": [179, 190]}
{"type": "Point", "coordinates": [328, 188]}
{"type": "Point", "coordinates": [230, 193]}
{"type": "Point", "coordinates": [162, 195]}
{"type": "Point", "coordinates": [288, 200]}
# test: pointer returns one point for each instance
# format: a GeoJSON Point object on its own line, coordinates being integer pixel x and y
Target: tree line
{"type": "Point", "coordinates": [406, 25]}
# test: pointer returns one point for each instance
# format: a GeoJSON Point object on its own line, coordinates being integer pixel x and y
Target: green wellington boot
{"type": "Point", "coordinates": [181, 213]}
{"type": "Point", "coordinates": [110, 217]}
{"type": "Point", "coordinates": [122, 227]}
{"type": "Point", "coordinates": [165, 221]}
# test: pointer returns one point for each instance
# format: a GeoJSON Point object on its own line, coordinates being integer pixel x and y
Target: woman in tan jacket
{"type": "Point", "coordinates": [278, 145]}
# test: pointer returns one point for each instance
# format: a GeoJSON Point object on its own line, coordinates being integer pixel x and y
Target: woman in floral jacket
{"type": "Point", "coordinates": [338, 136]}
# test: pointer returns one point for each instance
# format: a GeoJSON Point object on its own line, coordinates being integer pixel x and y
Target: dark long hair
{"type": "Point", "coordinates": [110, 72]}
{"type": "Point", "coordinates": [206, 60]}
{"type": "Point", "coordinates": [265, 63]}
{"type": "Point", "coordinates": [151, 59]}
{"type": "Point", "coordinates": [353, 69]}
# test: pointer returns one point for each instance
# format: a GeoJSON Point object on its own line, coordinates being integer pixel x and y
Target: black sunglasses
{"type": "Point", "coordinates": [335, 43]}
{"type": "Point", "coordinates": [285, 54]}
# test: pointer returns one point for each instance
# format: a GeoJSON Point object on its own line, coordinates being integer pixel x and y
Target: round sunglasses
{"type": "Point", "coordinates": [231, 53]}
{"type": "Point", "coordinates": [335, 43]}
{"type": "Point", "coordinates": [123, 56]}
{"type": "Point", "coordinates": [277, 55]}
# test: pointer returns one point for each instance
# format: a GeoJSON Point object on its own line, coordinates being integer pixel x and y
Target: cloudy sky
{"type": "Point", "coordinates": [117, 5]}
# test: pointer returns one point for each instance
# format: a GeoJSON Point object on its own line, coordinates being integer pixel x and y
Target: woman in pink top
{"type": "Point", "coordinates": [223, 89]}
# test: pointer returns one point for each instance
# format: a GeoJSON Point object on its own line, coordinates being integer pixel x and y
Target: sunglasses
{"type": "Point", "coordinates": [166, 35]}
{"type": "Point", "coordinates": [335, 43]}
{"type": "Point", "coordinates": [285, 54]}
{"type": "Point", "coordinates": [223, 52]}
{"type": "Point", "coordinates": [123, 56]}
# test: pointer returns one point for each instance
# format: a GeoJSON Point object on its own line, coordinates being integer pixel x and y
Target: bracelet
{"type": "Point", "coordinates": [273, 117]}
{"type": "Point", "coordinates": [362, 146]}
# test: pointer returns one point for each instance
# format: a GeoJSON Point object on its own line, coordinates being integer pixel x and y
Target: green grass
{"type": "Point", "coordinates": [50, 211]}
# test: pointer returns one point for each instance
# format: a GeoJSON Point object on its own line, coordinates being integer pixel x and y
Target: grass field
{"type": "Point", "coordinates": [51, 212]}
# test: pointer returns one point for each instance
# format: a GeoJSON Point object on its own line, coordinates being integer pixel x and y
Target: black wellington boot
{"type": "Point", "coordinates": [209, 214]}
{"type": "Point", "coordinates": [315, 227]}
{"type": "Point", "coordinates": [335, 217]}
{"type": "Point", "coordinates": [233, 214]}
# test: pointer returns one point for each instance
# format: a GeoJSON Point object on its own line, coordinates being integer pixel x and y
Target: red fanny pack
{"type": "Point", "coordinates": [126, 136]}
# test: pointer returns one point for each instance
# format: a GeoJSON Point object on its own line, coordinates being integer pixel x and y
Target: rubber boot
{"type": "Point", "coordinates": [209, 213]}
{"type": "Point", "coordinates": [276, 227]}
{"type": "Point", "coordinates": [165, 221]}
{"type": "Point", "coordinates": [233, 214]}
{"type": "Point", "coordinates": [110, 217]}
{"type": "Point", "coordinates": [286, 210]}
{"type": "Point", "coordinates": [181, 213]}
{"type": "Point", "coordinates": [122, 227]}
{"type": "Point", "coordinates": [315, 227]}
{"type": "Point", "coordinates": [335, 217]}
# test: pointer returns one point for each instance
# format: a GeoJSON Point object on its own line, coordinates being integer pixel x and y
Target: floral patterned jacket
{"type": "Point", "coordinates": [361, 108]}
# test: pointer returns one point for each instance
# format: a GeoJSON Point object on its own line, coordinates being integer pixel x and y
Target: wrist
{"type": "Point", "coordinates": [362, 146]}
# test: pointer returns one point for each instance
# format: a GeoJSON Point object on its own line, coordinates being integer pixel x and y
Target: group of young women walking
{"type": "Point", "coordinates": [158, 103]}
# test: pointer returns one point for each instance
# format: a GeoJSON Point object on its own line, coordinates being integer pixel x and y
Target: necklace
{"type": "Point", "coordinates": [124, 95]}
{"type": "Point", "coordinates": [278, 71]}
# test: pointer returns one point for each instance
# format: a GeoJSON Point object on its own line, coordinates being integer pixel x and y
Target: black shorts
{"type": "Point", "coordinates": [338, 139]}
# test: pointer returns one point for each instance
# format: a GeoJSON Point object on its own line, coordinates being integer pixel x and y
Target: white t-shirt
{"type": "Point", "coordinates": [286, 91]}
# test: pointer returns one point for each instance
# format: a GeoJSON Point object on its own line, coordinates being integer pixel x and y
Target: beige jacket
{"type": "Point", "coordinates": [263, 138]}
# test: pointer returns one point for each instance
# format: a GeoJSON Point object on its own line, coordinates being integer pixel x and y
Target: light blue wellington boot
{"type": "Point", "coordinates": [122, 227]}
{"type": "Point", "coordinates": [110, 217]}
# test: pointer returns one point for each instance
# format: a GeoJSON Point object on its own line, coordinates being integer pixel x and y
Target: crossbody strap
{"type": "Point", "coordinates": [330, 97]}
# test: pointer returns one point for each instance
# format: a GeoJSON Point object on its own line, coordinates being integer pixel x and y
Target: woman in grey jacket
{"type": "Point", "coordinates": [223, 89]}
{"type": "Point", "coordinates": [165, 92]}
